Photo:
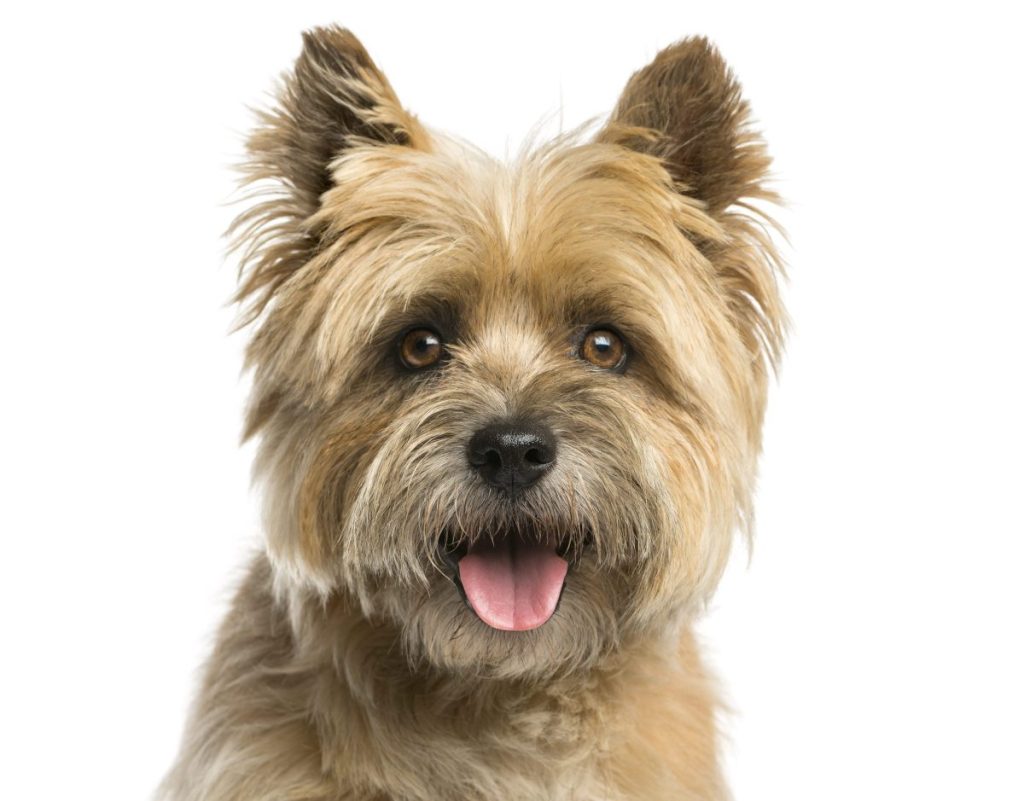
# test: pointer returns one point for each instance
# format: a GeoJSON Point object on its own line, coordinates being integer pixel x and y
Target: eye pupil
{"type": "Point", "coordinates": [421, 348]}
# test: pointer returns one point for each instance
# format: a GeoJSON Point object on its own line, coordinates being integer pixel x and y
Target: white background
{"type": "Point", "coordinates": [873, 647]}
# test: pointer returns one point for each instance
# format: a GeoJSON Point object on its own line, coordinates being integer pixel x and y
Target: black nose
{"type": "Point", "coordinates": [512, 456]}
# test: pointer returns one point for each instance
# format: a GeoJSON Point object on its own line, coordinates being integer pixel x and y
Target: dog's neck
{"type": "Point", "coordinates": [371, 703]}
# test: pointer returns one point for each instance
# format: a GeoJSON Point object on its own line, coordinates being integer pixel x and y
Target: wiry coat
{"type": "Point", "coordinates": [349, 667]}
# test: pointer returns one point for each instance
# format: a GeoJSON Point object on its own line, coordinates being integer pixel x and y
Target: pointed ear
{"type": "Point", "coordinates": [335, 98]}
{"type": "Point", "coordinates": [686, 108]}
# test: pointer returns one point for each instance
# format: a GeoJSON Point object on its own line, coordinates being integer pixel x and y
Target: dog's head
{"type": "Point", "coordinates": [512, 411]}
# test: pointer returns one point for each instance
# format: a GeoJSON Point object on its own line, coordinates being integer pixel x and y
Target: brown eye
{"type": "Point", "coordinates": [603, 348]}
{"type": "Point", "coordinates": [421, 348]}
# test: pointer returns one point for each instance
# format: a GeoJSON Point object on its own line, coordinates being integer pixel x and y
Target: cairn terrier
{"type": "Point", "coordinates": [508, 418]}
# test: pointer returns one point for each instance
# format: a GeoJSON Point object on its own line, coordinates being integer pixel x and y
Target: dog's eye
{"type": "Point", "coordinates": [421, 348]}
{"type": "Point", "coordinates": [603, 348]}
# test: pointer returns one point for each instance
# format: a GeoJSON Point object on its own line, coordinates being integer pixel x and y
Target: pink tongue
{"type": "Point", "coordinates": [512, 585]}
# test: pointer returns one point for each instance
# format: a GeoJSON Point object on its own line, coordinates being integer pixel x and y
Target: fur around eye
{"type": "Point", "coordinates": [603, 348]}
{"type": "Point", "coordinates": [420, 348]}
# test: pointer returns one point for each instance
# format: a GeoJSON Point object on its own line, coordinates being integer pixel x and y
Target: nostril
{"type": "Point", "coordinates": [535, 456]}
{"type": "Point", "coordinates": [483, 455]}
{"type": "Point", "coordinates": [492, 459]}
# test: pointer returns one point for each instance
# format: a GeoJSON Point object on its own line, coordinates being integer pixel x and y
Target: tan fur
{"type": "Point", "coordinates": [349, 667]}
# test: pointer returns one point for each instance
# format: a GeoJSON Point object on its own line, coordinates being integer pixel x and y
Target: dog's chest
{"type": "Point", "coordinates": [537, 755]}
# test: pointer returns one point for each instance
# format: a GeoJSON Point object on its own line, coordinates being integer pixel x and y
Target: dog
{"type": "Point", "coordinates": [508, 418]}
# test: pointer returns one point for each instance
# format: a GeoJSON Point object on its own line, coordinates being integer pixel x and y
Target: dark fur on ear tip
{"type": "Point", "coordinates": [689, 97]}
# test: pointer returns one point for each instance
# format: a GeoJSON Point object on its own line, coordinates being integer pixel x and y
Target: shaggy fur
{"type": "Point", "coordinates": [349, 666]}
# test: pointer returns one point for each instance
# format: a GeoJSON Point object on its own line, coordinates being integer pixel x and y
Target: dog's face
{"type": "Point", "coordinates": [511, 411]}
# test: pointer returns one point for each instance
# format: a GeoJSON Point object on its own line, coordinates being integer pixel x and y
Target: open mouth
{"type": "Point", "coordinates": [513, 580]}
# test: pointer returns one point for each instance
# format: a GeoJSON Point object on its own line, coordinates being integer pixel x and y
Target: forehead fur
{"type": "Point", "coordinates": [584, 232]}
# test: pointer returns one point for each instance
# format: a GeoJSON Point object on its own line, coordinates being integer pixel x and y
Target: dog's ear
{"type": "Point", "coordinates": [335, 98]}
{"type": "Point", "coordinates": [686, 108]}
